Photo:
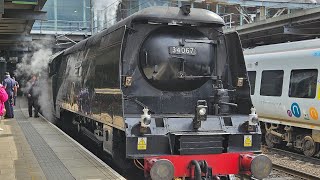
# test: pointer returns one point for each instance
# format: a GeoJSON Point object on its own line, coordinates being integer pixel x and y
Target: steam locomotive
{"type": "Point", "coordinates": [166, 89]}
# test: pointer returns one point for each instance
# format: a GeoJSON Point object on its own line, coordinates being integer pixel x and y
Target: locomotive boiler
{"type": "Point", "coordinates": [166, 89]}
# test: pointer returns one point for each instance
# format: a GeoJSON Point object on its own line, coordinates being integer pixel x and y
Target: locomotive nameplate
{"type": "Point", "coordinates": [182, 50]}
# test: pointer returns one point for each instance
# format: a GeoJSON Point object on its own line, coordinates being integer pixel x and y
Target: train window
{"type": "Point", "coordinates": [271, 83]}
{"type": "Point", "coordinates": [303, 83]}
{"type": "Point", "coordinates": [252, 80]}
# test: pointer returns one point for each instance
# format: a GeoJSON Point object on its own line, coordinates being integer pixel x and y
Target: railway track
{"type": "Point", "coordinates": [293, 165]}
{"type": "Point", "coordinates": [294, 173]}
{"type": "Point", "coordinates": [297, 156]}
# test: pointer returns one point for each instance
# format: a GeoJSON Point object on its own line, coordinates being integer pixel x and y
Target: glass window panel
{"type": "Point", "coordinates": [303, 83]}
{"type": "Point", "coordinates": [252, 80]}
{"type": "Point", "coordinates": [271, 83]}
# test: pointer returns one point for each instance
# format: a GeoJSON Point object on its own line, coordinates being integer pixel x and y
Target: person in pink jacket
{"type": "Point", "coordinates": [3, 98]}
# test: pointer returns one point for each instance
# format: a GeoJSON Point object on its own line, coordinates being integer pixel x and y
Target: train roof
{"type": "Point", "coordinates": [174, 14]}
{"type": "Point", "coordinates": [289, 46]}
{"type": "Point", "coordinates": [157, 15]}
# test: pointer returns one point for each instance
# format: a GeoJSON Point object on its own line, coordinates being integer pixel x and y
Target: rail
{"type": "Point", "coordinates": [294, 155]}
{"type": "Point", "coordinates": [294, 172]}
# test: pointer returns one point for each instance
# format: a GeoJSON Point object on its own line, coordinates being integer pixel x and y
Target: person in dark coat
{"type": "Point", "coordinates": [8, 84]}
{"type": "Point", "coordinates": [33, 95]}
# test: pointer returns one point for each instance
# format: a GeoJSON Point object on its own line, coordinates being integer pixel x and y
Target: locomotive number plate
{"type": "Point", "coordinates": [182, 50]}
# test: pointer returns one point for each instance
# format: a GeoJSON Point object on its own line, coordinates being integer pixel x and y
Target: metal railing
{"type": "Point", "coordinates": [62, 25]}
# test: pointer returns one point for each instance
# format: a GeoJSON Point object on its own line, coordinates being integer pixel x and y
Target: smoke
{"type": "Point", "coordinates": [36, 63]}
{"type": "Point", "coordinates": [105, 12]}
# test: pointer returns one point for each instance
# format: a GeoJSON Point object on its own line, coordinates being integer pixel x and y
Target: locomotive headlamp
{"type": "Point", "coordinates": [251, 125]}
{"type": "Point", "coordinates": [201, 113]}
{"type": "Point", "coordinates": [253, 117]}
{"type": "Point", "coordinates": [145, 118]}
{"type": "Point", "coordinates": [201, 110]}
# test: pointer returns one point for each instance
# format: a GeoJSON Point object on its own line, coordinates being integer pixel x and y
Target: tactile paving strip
{"type": "Point", "coordinates": [50, 164]}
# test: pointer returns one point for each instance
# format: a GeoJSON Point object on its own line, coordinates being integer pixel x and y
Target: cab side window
{"type": "Point", "coordinates": [252, 80]}
{"type": "Point", "coordinates": [303, 83]}
{"type": "Point", "coordinates": [271, 83]}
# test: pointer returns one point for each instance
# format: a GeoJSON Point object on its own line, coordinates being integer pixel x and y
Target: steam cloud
{"type": "Point", "coordinates": [36, 63]}
{"type": "Point", "coordinates": [105, 12]}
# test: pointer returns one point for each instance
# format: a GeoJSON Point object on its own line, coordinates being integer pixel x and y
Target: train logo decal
{"type": "Point", "coordinates": [289, 113]}
{"type": "Point", "coordinates": [316, 54]}
{"type": "Point", "coordinates": [295, 109]}
{"type": "Point", "coordinates": [313, 113]}
{"type": "Point", "coordinates": [306, 116]}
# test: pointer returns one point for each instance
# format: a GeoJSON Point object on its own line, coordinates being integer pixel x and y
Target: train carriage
{"type": "Point", "coordinates": [285, 91]}
{"type": "Point", "coordinates": [165, 87]}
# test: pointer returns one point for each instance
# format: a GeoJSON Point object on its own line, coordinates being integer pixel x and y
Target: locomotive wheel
{"type": "Point", "coordinates": [309, 147]}
{"type": "Point", "coordinates": [269, 141]}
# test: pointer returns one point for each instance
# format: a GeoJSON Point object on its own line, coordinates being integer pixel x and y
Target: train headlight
{"type": "Point", "coordinates": [202, 111]}
{"type": "Point", "coordinates": [162, 169]}
{"type": "Point", "coordinates": [145, 118]}
{"type": "Point", "coordinates": [253, 117]}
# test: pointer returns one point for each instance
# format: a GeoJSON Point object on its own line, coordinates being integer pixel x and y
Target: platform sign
{"type": "Point", "coordinates": [247, 141]}
{"type": "Point", "coordinates": [34, 2]}
{"type": "Point", "coordinates": [142, 143]}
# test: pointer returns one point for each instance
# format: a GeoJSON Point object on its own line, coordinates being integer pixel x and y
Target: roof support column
{"type": "Point", "coordinates": [84, 16]}
{"type": "Point", "coordinates": [55, 7]}
{"type": "Point", "coordinates": [263, 13]}
{"type": "Point", "coordinates": [241, 16]}
{"type": "Point", "coordinates": [217, 8]}
{"type": "Point", "coordinates": [1, 8]}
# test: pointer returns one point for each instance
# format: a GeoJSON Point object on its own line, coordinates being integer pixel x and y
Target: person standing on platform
{"type": "Point", "coordinates": [33, 96]}
{"type": "Point", "coordinates": [8, 84]}
{"type": "Point", "coordinates": [15, 90]}
{"type": "Point", "coordinates": [3, 98]}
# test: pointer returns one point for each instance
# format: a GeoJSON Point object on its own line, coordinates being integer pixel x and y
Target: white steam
{"type": "Point", "coordinates": [105, 12]}
{"type": "Point", "coordinates": [36, 63]}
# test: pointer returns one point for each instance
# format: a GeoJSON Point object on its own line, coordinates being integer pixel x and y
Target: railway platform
{"type": "Point", "coordinates": [33, 148]}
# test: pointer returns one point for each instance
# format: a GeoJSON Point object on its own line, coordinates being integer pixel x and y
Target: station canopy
{"type": "Point", "coordinates": [16, 20]}
{"type": "Point", "coordinates": [301, 24]}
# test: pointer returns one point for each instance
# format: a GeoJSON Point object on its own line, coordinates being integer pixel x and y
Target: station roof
{"type": "Point", "coordinates": [16, 20]}
{"type": "Point", "coordinates": [304, 24]}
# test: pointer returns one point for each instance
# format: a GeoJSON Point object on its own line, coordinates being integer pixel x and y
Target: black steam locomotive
{"type": "Point", "coordinates": [165, 87]}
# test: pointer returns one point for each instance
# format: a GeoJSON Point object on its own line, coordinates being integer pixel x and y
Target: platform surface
{"type": "Point", "coordinates": [33, 148]}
